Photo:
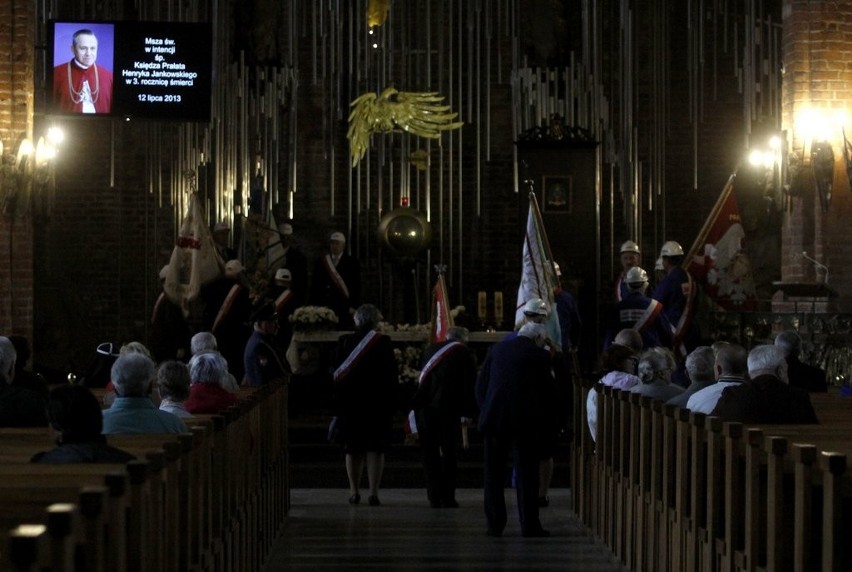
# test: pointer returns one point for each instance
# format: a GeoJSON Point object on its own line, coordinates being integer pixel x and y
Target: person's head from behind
{"type": "Point", "coordinates": [630, 338]}
{"type": "Point", "coordinates": [8, 358]}
{"type": "Point", "coordinates": [132, 375]}
{"type": "Point", "coordinates": [173, 381]}
{"type": "Point", "coordinates": [84, 46]}
{"type": "Point", "coordinates": [536, 332]}
{"type": "Point", "coordinates": [135, 348]}
{"type": "Point", "coordinates": [458, 334]}
{"type": "Point", "coordinates": [731, 361]}
{"type": "Point", "coordinates": [203, 342]}
{"type": "Point", "coordinates": [367, 317]}
{"type": "Point", "coordinates": [536, 311]}
{"type": "Point", "coordinates": [636, 279]}
{"type": "Point", "coordinates": [789, 342]}
{"type": "Point", "coordinates": [767, 359]}
{"type": "Point", "coordinates": [700, 363]}
{"type": "Point", "coordinates": [209, 368]}
{"type": "Point", "coordinates": [619, 358]}
{"type": "Point", "coordinates": [75, 414]}
{"type": "Point", "coordinates": [656, 365]}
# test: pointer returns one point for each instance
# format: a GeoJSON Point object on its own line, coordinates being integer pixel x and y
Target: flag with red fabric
{"type": "Point", "coordinates": [194, 261]}
{"type": "Point", "coordinates": [718, 260]}
{"type": "Point", "coordinates": [442, 321]}
{"type": "Point", "coordinates": [538, 273]}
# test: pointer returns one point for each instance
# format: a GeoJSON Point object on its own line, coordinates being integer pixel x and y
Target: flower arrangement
{"type": "Point", "coordinates": [308, 318]}
{"type": "Point", "coordinates": [408, 362]}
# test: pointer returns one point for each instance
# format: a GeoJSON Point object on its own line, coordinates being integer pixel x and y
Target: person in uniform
{"type": "Point", "coordinates": [444, 396]}
{"type": "Point", "coordinates": [630, 256]}
{"type": "Point", "coordinates": [337, 281]}
{"type": "Point", "coordinates": [264, 358]}
{"type": "Point", "coordinates": [676, 292]}
{"type": "Point", "coordinates": [363, 400]}
{"type": "Point", "coordinates": [221, 236]}
{"type": "Point", "coordinates": [227, 309]}
{"type": "Point", "coordinates": [638, 312]}
{"type": "Point", "coordinates": [294, 261]}
{"type": "Point", "coordinates": [170, 332]}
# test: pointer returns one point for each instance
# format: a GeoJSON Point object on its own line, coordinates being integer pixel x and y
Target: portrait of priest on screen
{"type": "Point", "coordinates": [80, 85]}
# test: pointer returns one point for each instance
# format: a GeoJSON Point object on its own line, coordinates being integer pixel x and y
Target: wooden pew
{"type": "Point", "coordinates": [211, 499]}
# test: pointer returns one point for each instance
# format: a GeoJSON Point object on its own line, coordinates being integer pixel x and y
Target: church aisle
{"type": "Point", "coordinates": [323, 532]}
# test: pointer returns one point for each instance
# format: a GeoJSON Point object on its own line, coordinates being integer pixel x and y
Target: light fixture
{"type": "Point", "coordinates": [822, 163]}
{"type": "Point", "coordinates": [28, 174]}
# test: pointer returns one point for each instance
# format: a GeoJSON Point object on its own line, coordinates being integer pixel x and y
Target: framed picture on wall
{"type": "Point", "coordinates": [558, 194]}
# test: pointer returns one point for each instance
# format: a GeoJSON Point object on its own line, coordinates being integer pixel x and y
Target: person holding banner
{"type": "Point", "coordinates": [363, 400]}
{"type": "Point", "coordinates": [677, 293]}
{"type": "Point", "coordinates": [638, 312]}
{"type": "Point", "coordinates": [444, 396]}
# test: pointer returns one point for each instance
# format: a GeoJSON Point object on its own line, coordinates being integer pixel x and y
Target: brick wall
{"type": "Point", "coordinates": [16, 123]}
{"type": "Point", "coordinates": [817, 47]}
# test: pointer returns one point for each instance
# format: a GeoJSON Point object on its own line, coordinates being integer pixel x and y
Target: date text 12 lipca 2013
{"type": "Point", "coordinates": [166, 98]}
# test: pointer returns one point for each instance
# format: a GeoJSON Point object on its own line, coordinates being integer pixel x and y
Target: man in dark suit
{"type": "Point", "coordinates": [337, 281]}
{"type": "Point", "coordinates": [444, 395]}
{"type": "Point", "coordinates": [807, 377]}
{"type": "Point", "coordinates": [294, 261]}
{"type": "Point", "coordinates": [516, 393]}
{"type": "Point", "coordinates": [765, 397]}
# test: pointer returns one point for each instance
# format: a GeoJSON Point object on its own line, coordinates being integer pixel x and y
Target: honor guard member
{"type": "Point", "coordinates": [630, 258]}
{"type": "Point", "coordinates": [264, 358]}
{"type": "Point", "coordinates": [294, 261]}
{"type": "Point", "coordinates": [638, 312]}
{"type": "Point", "coordinates": [337, 281]}
{"type": "Point", "coordinates": [677, 293]}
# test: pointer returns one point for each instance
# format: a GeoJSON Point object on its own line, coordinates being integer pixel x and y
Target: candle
{"type": "Point", "coordinates": [482, 305]}
{"type": "Point", "coordinates": [498, 307]}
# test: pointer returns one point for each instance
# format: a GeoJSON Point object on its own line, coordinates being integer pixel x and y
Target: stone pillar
{"type": "Point", "coordinates": [17, 61]}
{"type": "Point", "coordinates": [816, 92]}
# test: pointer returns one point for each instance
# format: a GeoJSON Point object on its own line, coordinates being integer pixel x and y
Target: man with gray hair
{"type": "Point", "coordinates": [800, 374]}
{"type": "Point", "coordinates": [19, 406]}
{"type": "Point", "coordinates": [517, 397]}
{"type": "Point", "coordinates": [133, 412]}
{"type": "Point", "coordinates": [766, 397]}
{"type": "Point", "coordinates": [729, 369]}
{"type": "Point", "coordinates": [699, 369]}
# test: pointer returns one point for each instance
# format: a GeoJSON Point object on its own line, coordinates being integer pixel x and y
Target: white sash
{"type": "Point", "coordinates": [436, 359]}
{"type": "Point", "coordinates": [282, 300]}
{"type": "Point", "coordinates": [336, 278]}
{"type": "Point", "coordinates": [357, 354]}
{"type": "Point", "coordinates": [226, 306]}
{"type": "Point", "coordinates": [649, 315]}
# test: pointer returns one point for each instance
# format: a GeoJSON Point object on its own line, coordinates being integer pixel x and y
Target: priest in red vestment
{"type": "Point", "coordinates": [80, 85]}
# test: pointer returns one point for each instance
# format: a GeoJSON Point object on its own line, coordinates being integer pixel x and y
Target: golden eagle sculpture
{"type": "Point", "coordinates": [418, 113]}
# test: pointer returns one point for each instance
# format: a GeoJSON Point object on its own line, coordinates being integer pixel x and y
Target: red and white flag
{"type": "Point", "coordinates": [195, 260]}
{"type": "Point", "coordinates": [718, 260]}
{"type": "Point", "coordinates": [538, 273]}
{"type": "Point", "coordinates": [442, 321]}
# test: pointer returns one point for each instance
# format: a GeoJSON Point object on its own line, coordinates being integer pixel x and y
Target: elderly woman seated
{"type": "Point", "coordinates": [173, 387]}
{"type": "Point", "coordinates": [208, 373]}
{"type": "Point", "coordinates": [619, 363]}
{"type": "Point", "coordinates": [655, 372]}
{"type": "Point", "coordinates": [76, 420]}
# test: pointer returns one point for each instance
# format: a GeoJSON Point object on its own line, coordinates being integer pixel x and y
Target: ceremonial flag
{"type": "Point", "coordinates": [441, 319]}
{"type": "Point", "coordinates": [538, 273]}
{"type": "Point", "coordinates": [718, 259]}
{"type": "Point", "coordinates": [194, 261]}
{"type": "Point", "coordinates": [261, 248]}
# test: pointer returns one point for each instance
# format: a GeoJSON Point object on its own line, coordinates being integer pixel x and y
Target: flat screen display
{"type": "Point", "coordinates": [140, 70]}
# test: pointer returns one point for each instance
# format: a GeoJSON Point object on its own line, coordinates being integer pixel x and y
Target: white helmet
{"type": "Point", "coordinates": [536, 307]}
{"type": "Point", "coordinates": [671, 248]}
{"type": "Point", "coordinates": [636, 276]}
{"type": "Point", "coordinates": [630, 246]}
